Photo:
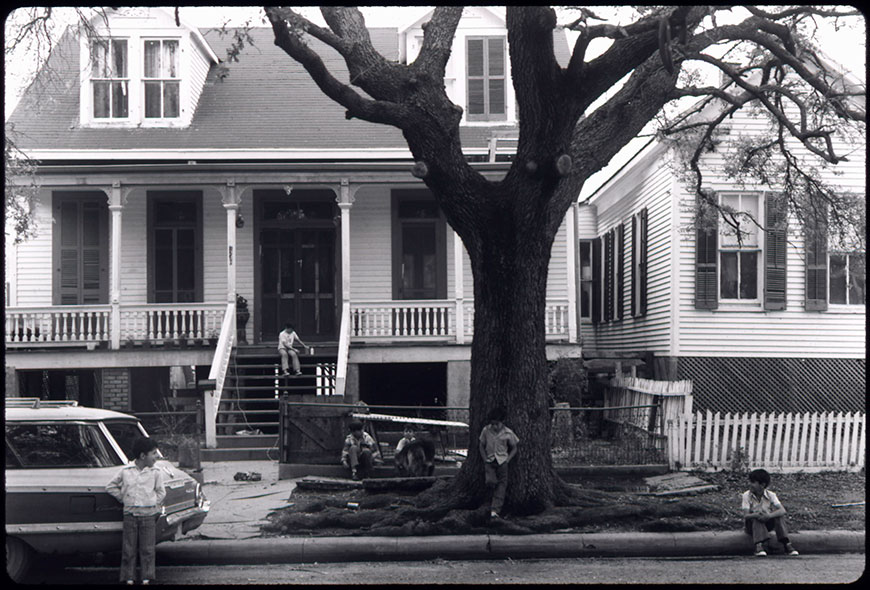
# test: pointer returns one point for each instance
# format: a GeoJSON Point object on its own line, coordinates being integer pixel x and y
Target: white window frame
{"type": "Point", "coordinates": [486, 116]}
{"type": "Point", "coordinates": [847, 255]}
{"type": "Point", "coordinates": [110, 41]}
{"type": "Point", "coordinates": [726, 246]}
{"type": "Point", "coordinates": [162, 80]}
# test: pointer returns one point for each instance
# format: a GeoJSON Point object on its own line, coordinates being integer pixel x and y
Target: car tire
{"type": "Point", "coordinates": [19, 556]}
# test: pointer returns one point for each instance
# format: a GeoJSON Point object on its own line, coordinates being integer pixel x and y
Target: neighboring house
{"type": "Point", "coordinates": [775, 324]}
{"type": "Point", "coordinates": [168, 187]}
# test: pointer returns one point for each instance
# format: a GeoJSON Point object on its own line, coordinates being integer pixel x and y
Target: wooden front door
{"type": "Point", "coordinates": [297, 268]}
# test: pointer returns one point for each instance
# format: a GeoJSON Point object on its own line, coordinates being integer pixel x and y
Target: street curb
{"type": "Point", "coordinates": [348, 549]}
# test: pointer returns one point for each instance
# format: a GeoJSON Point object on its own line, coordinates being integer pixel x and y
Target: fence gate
{"type": "Point", "coordinates": [312, 432]}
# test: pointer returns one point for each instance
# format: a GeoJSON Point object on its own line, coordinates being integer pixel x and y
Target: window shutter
{"type": "Point", "coordinates": [496, 74]}
{"type": "Point", "coordinates": [642, 267]}
{"type": "Point", "coordinates": [608, 276]}
{"type": "Point", "coordinates": [775, 252]}
{"type": "Point", "coordinates": [816, 236]}
{"type": "Point", "coordinates": [620, 271]}
{"type": "Point", "coordinates": [474, 67]}
{"type": "Point", "coordinates": [706, 270]}
{"type": "Point", "coordinates": [596, 280]}
{"type": "Point", "coordinates": [635, 270]}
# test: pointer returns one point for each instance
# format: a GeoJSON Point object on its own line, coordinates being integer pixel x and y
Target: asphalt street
{"type": "Point", "coordinates": [815, 569]}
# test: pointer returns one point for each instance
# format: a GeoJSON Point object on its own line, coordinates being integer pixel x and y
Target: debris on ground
{"type": "Point", "coordinates": [676, 484]}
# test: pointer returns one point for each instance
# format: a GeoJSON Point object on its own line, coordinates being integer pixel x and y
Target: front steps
{"type": "Point", "coordinates": [249, 403]}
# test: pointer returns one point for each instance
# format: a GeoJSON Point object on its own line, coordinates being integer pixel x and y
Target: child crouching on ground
{"type": "Point", "coordinates": [763, 513]}
{"type": "Point", "coordinates": [139, 486]}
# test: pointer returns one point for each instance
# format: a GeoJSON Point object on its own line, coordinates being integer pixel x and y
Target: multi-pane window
{"type": "Point", "coordinates": [175, 255]}
{"type": "Point", "coordinates": [161, 78]}
{"type": "Point", "coordinates": [586, 279]}
{"type": "Point", "coordinates": [486, 80]}
{"type": "Point", "coordinates": [109, 78]}
{"type": "Point", "coordinates": [846, 276]}
{"type": "Point", "coordinates": [739, 248]}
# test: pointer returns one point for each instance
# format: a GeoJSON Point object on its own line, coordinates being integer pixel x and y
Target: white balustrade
{"type": "Point", "coordinates": [171, 321]}
{"type": "Point", "coordinates": [67, 324]}
{"type": "Point", "coordinates": [432, 319]}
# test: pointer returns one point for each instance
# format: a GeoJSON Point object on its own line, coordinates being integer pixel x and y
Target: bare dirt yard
{"type": "Point", "coordinates": [809, 498]}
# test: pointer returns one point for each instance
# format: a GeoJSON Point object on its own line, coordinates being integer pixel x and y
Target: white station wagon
{"type": "Point", "coordinates": [59, 458]}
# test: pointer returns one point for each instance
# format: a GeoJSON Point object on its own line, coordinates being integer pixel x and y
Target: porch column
{"type": "Point", "coordinates": [458, 287]}
{"type": "Point", "coordinates": [231, 204]}
{"type": "Point", "coordinates": [345, 202]}
{"type": "Point", "coordinates": [572, 246]}
{"type": "Point", "coordinates": [116, 206]}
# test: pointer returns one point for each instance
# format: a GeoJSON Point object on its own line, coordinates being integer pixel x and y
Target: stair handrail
{"type": "Point", "coordinates": [343, 347]}
{"type": "Point", "coordinates": [219, 365]}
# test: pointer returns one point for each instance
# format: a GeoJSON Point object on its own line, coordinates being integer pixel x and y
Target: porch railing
{"type": "Point", "coordinates": [58, 325]}
{"type": "Point", "coordinates": [67, 325]}
{"type": "Point", "coordinates": [432, 319]}
{"type": "Point", "coordinates": [217, 375]}
{"type": "Point", "coordinates": [171, 321]}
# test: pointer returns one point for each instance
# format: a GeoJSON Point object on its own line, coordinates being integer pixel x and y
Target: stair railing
{"type": "Point", "coordinates": [343, 346]}
{"type": "Point", "coordinates": [219, 365]}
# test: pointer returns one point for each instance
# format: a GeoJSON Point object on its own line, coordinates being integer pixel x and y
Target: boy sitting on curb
{"type": "Point", "coordinates": [359, 451]}
{"type": "Point", "coordinates": [763, 513]}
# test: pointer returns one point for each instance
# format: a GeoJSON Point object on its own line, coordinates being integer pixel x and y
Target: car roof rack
{"type": "Point", "coordinates": [35, 402]}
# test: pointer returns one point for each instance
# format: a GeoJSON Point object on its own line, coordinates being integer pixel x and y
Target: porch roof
{"type": "Point", "coordinates": [267, 102]}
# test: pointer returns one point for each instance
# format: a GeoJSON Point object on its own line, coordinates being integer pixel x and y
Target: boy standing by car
{"type": "Point", "coordinates": [763, 513]}
{"type": "Point", "coordinates": [497, 445]}
{"type": "Point", "coordinates": [140, 488]}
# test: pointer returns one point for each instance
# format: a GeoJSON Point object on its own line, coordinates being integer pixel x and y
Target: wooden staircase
{"type": "Point", "coordinates": [247, 420]}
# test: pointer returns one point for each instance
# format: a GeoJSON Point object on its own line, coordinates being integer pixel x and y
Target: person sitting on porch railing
{"type": "Point", "coordinates": [359, 451]}
{"type": "Point", "coordinates": [286, 339]}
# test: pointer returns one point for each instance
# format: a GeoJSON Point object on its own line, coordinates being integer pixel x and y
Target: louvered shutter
{"type": "Point", "coordinates": [608, 276]}
{"type": "Point", "coordinates": [706, 268]}
{"type": "Point", "coordinates": [642, 267]}
{"type": "Point", "coordinates": [816, 236]}
{"type": "Point", "coordinates": [475, 79]}
{"type": "Point", "coordinates": [635, 263]}
{"type": "Point", "coordinates": [775, 252]}
{"type": "Point", "coordinates": [80, 249]}
{"type": "Point", "coordinates": [496, 75]}
{"type": "Point", "coordinates": [620, 271]}
{"type": "Point", "coordinates": [596, 280]}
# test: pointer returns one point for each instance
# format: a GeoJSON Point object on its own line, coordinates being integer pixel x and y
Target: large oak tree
{"type": "Point", "coordinates": [508, 226]}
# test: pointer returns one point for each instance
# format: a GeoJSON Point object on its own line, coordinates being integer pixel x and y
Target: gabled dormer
{"type": "Point", "coordinates": [477, 76]}
{"type": "Point", "coordinates": [139, 68]}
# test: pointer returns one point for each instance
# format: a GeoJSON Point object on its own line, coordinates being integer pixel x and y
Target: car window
{"type": "Point", "coordinates": [125, 433]}
{"type": "Point", "coordinates": [59, 444]}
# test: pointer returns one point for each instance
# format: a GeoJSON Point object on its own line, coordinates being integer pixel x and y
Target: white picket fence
{"type": "Point", "coordinates": [776, 442]}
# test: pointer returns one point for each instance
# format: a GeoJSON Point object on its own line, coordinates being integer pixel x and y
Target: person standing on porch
{"type": "Point", "coordinates": [286, 339]}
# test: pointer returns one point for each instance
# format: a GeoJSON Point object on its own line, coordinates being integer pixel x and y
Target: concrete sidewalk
{"type": "Point", "coordinates": [230, 534]}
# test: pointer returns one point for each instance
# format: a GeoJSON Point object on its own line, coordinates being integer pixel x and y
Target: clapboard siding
{"type": "Point", "coordinates": [648, 186]}
{"type": "Point", "coordinates": [199, 66]}
{"type": "Point", "coordinates": [214, 247]}
{"type": "Point", "coordinates": [370, 237]}
{"type": "Point", "coordinates": [751, 331]}
{"type": "Point", "coordinates": [134, 245]}
{"type": "Point", "coordinates": [33, 260]}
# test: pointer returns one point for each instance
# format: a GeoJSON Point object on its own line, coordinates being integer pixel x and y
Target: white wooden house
{"type": "Point", "coordinates": [169, 186]}
{"type": "Point", "coordinates": [762, 326]}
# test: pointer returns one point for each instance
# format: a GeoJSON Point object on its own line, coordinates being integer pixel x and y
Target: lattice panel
{"type": "Point", "coordinates": [776, 384]}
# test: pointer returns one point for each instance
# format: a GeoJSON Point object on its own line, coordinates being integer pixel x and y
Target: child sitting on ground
{"type": "Point", "coordinates": [359, 451]}
{"type": "Point", "coordinates": [763, 513]}
{"type": "Point", "coordinates": [407, 436]}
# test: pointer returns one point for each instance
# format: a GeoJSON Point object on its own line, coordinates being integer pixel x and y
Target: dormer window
{"type": "Point", "coordinates": [109, 78]}
{"type": "Point", "coordinates": [485, 67]}
{"type": "Point", "coordinates": [161, 78]}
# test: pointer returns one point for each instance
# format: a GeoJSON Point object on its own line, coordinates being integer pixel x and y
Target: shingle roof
{"type": "Point", "coordinates": [267, 101]}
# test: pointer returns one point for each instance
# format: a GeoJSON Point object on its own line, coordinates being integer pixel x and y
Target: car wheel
{"type": "Point", "coordinates": [18, 558]}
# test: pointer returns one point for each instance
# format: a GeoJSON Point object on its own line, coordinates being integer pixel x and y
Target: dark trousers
{"type": "Point", "coordinates": [496, 479]}
{"type": "Point", "coordinates": [138, 540]}
{"type": "Point", "coordinates": [361, 460]}
{"type": "Point", "coordinates": [759, 530]}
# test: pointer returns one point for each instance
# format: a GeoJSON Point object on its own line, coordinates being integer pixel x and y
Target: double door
{"type": "Point", "coordinates": [297, 282]}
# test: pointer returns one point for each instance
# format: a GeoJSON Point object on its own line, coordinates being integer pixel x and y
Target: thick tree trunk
{"type": "Point", "coordinates": [508, 368]}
